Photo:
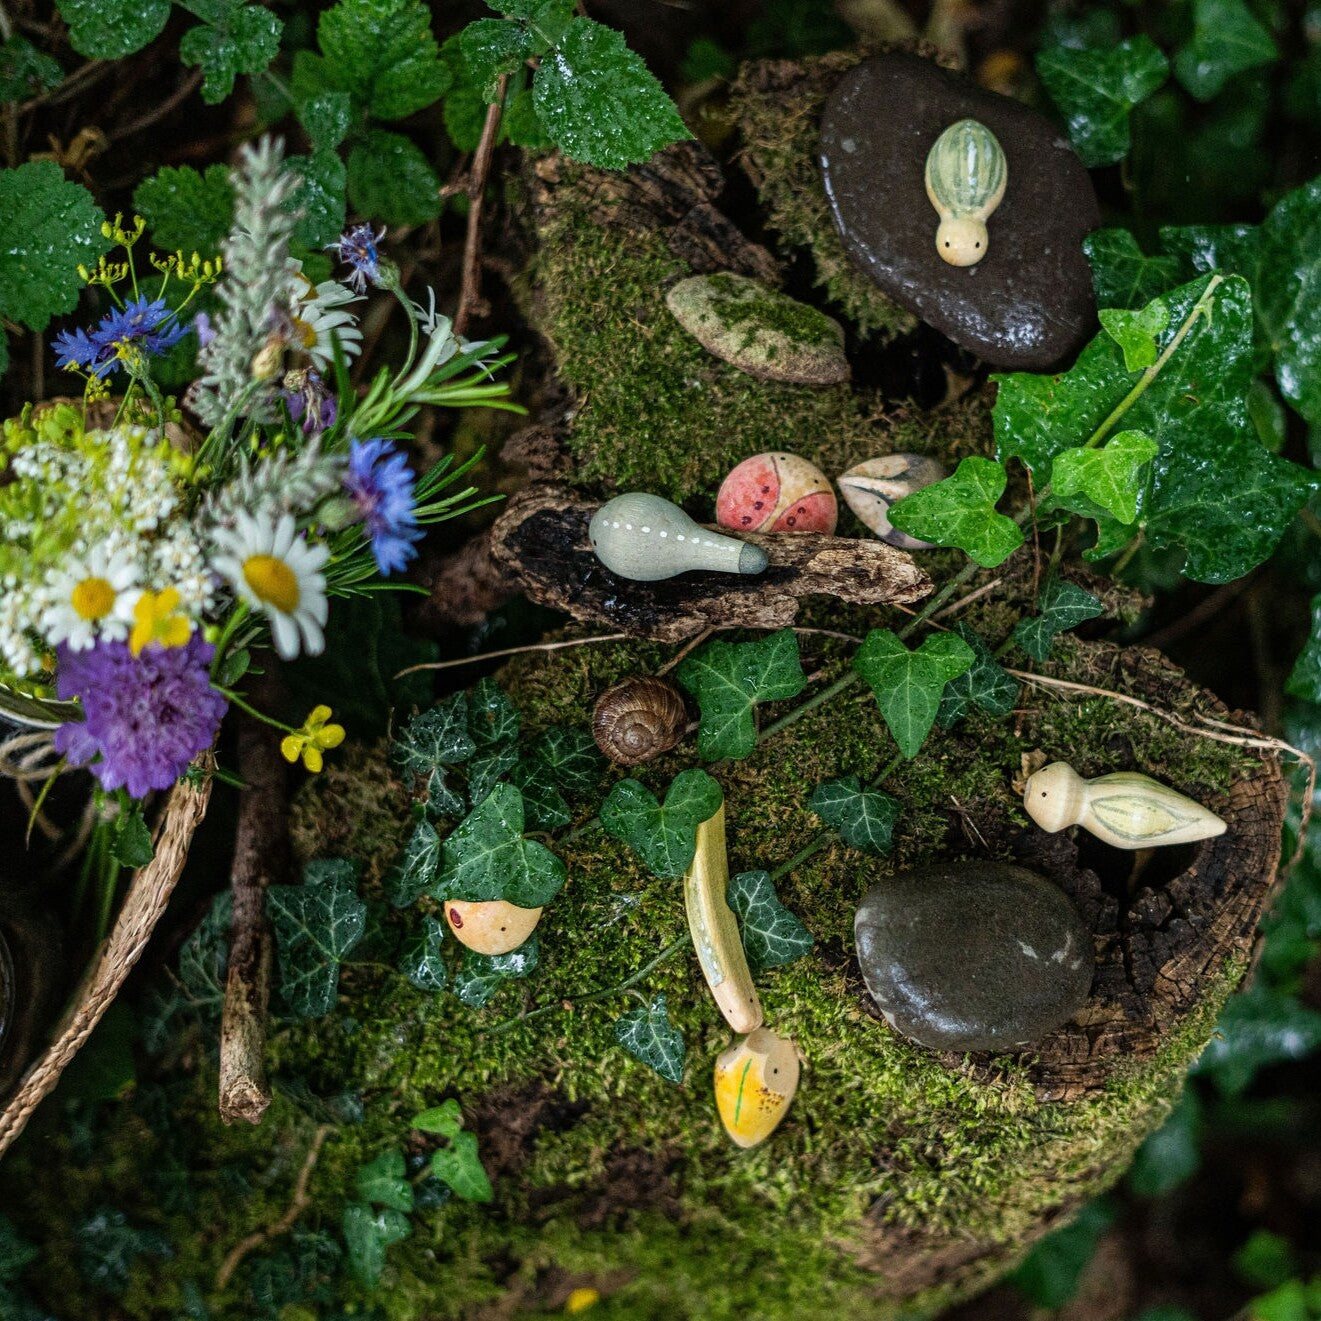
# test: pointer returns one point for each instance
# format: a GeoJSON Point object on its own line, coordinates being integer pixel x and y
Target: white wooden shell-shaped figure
{"type": "Point", "coordinates": [755, 1082]}
{"type": "Point", "coordinates": [1127, 810]}
{"type": "Point", "coordinates": [646, 538]}
{"type": "Point", "coordinates": [965, 176]}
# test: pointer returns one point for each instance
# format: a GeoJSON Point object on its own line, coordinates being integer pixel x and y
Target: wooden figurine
{"type": "Point", "coordinates": [871, 487]}
{"type": "Point", "coordinates": [755, 1082]}
{"type": "Point", "coordinates": [1126, 809]}
{"type": "Point", "coordinates": [646, 538]}
{"type": "Point", "coordinates": [776, 492]}
{"type": "Point", "coordinates": [965, 177]}
{"type": "Point", "coordinates": [490, 926]}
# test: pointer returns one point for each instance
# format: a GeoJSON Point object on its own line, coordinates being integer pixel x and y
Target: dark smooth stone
{"type": "Point", "coordinates": [973, 956]}
{"type": "Point", "coordinates": [1028, 304]}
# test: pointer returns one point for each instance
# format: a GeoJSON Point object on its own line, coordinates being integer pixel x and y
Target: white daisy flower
{"type": "Point", "coordinates": [91, 597]}
{"type": "Point", "coordinates": [274, 570]}
{"type": "Point", "coordinates": [319, 313]}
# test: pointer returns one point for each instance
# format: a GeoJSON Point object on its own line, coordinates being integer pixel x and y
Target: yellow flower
{"type": "Point", "coordinates": [580, 1300]}
{"type": "Point", "coordinates": [155, 620]}
{"type": "Point", "coordinates": [314, 737]}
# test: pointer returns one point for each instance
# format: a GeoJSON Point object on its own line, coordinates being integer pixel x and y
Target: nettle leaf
{"type": "Point", "coordinates": [51, 226]}
{"type": "Point", "coordinates": [492, 717]}
{"type": "Point", "coordinates": [326, 117]}
{"type": "Point", "coordinates": [316, 925]}
{"type": "Point", "coordinates": [459, 1166]}
{"type": "Point", "coordinates": [648, 1035]}
{"type": "Point", "coordinates": [186, 210]}
{"type": "Point", "coordinates": [665, 838]}
{"type": "Point", "coordinates": [421, 959]}
{"type": "Point", "coordinates": [1110, 476]}
{"type": "Point", "coordinates": [1226, 40]}
{"type": "Point", "coordinates": [111, 29]}
{"type": "Point", "coordinates": [729, 678]}
{"type": "Point", "coordinates": [384, 1182]}
{"type": "Point", "coordinates": [415, 868]}
{"type": "Point", "coordinates": [599, 103]}
{"type": "Point", "coordinates": [1212, 490]}
{"type": "Point", "coordinates": [864, 817]}
{"type": "Point", "coordinates": [428, 743]}
{"type": "Point", "coordinates": [960, 511]}
{"type": "Point", "coordinates": [1096, 91]}
{"type": "Point", "coordinates": [25, 70]}
{"type": "Point", "coordinates": [486, 857]}
{"type": "Point", "coordinates": [1136, 332]}
{"type": "Point", "coordinates": [908, 684]}
{"type": "Point", "coordinates": [367, 1234]}
{"type": "Point", "coordinates": [235, 38]}
{"type": "Point", "coordinates": [480, 976]}
{"type": "Point", "coordinates": [320, 197]}
{"type": "Point", "coordinates": [1061, 606]}
{"type": "Point", "coordinates": [772, 935]}
{"type": "Point", "coordinates": [1122, 275]}
{"type": "Point", "coordinates": [389, 177]}
{"type": "Point", "coordinates": [985, 683]}
{"type": "Point", "coordinates": [492, 47]}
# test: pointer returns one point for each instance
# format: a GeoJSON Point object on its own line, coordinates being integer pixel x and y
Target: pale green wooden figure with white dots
{"type": "Point", "coordinates": [965, 176]}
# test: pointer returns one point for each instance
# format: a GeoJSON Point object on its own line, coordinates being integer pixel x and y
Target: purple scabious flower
{"type": "Point", "coordinates": [310, 404]}
{"type": "Point", "coordinates": [380, 482]}
{"type": "Point", "coordinates": [147, 325]}
{"type": "Point", "coordinates": [357, 249]}
{"type": "Point", "coordinates": [147, 716]}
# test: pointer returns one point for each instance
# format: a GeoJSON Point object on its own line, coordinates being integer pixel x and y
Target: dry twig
{"type": "Point", "coordinates": [470, 290]}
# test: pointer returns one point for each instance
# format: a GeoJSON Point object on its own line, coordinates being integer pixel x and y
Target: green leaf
{"type": "Point", "coordinates": [486, 857]}
{"type": "Point", "coordinates": [384, 1182]}
{"type": "Point", "coordinates": [132, 846]}
{"type": "Point", "coordinates": [908, 684]}
{"type": "Point", "coordinates": [1229, 249]}
{"type": "Point", "coordinates": [111, 29]}
{"type": "Point", "coordinates": [390, 178]}
{"type": "Point", "coordinates": [50, 226]}
{"type": "Point", "coordinates": [481, 975]}
{"type": "Point", "coordinates": [427, 744]}
{"type": "Point", "coordinates": [1110, 476]}
{"type": "Point", "coordinates": [368, 1233]}
{"type": "Point", "coordinates": [665, 838]}
{"type": "Point", "coordinates": [316, 925]}
{"type": "Point", "coordinates": [1265, 1260]}
{"type": "Point", "coordinates": [1136, 332]}
{"type": "Point", "coordinates": [204, 957]}
{"type": "Point", "coordinates": [1097, 89]}
{"type": "Point", "coordinates": [320, 197]}
{"type": "Point", "coordinates": [772, 935]}
{"type": "Point", "coordinates": [1172, 1154]}
{"type": "Point", "coordinates": [492, 47]}
{"type": "Point", "coordinates": [382, 53]}
{"type": "Point", "coordinates": [864, 817]}
{"type": "Point", "coordinates": [543, 803]}
{"type": "Point", "coordinates": [729, 678]}
{"type": "Point", "coordinates": [1050, 1274]}
{"type": "Point", "coordinates": [1257, 1027]}
{"type": "Point", "coordinates": [459, 1166]}
{"type": "Point", "coordinates": [521, 124]}
{"type": "Point", "coordinates": [599, 103]}
{"type": "Point", "coordinates": [421, 959]}
{"type": "Point", "coordinates": [415, 868]}
{"type": "Point", "coordinates": [239, 39]}
{"type": "Point", "coordinates": [486, 768]}
{"type": "Point", "coordinates": [1061, 606]}
{"type": "Point", "coordinates": [326, 117]}
{"type": "Point", "coordinates": [1291, 1301]}
{"type": "Point", "coordinates": [1226, 40]}
{"type": "Point", "coordinates": [985, 684]}
{"type": "Point", "coordinates": [648, 1035]}
{"type": "Point", "coordinates": [960, 511]}
{"type": "Point", "coordinates": [1122, 275]}
{"type": "Point", "coordinates": [1212, 489]}
{"type": "Point", "coordinates": [464, 108]}
{"type": "Point", "coordinates": [492, 717]}
{"type": "Point", "coordinates": [560, 760]}
{"type": "Point", "coordinates": [445, 1119]}
{"type": "Point", "coordinates": [25, 70]}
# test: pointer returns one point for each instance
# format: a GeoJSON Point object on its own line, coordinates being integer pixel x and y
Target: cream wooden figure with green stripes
{"type": "Point", "coordinates": [965, 177]}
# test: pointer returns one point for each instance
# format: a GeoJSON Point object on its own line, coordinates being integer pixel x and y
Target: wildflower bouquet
{"type": "Point", "coordinates": [144, 559]}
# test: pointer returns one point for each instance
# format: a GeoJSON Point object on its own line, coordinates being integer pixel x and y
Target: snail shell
{"type": "Point", "coordinates": [646, 538]}
{"type": "Point", "coordinates": [1126, 809]}
{"type": "Point", "coordinates": [491, 926]}
{"type": "Point", "coordinates": [966, 175]}
{"type": "Point", "coordinates": [638, 719]}
{"type": "Point", "coordinates": [871, 487]}
{"type": "Point", "coordinates": [776, 492]}
{"type": "Point", "coordinates": [755, 1082]}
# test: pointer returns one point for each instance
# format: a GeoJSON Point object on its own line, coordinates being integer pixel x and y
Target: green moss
{"type": "Point", "coordinates": [757, 308]}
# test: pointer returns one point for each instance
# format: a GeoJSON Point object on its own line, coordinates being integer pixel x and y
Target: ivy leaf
{"type": "Point", "coordinates": [1172, 1154]}
{"type": "Point", "coordinates": [414, 869]}
{"type": "Point", "coordinates": [25, 70]}
{"type": "Point", "coordinates": [729, 678]}
{"type": "Point", "coordinates": [445, 1119]}
{"type": "Point", "coordinates": [421, 960]}
{"type": "Point", "coordinates": [1110, 476]}
{"type": "Point", "coordinates": [1136, 332]}
{"type": "Point", "coordinates": [864, 817]}
{"type": "Point", "coordinates": [204, 957]}
{"type": "Point", "coordinates": [486, 857]}
{"type": "Point", "coordinates": [111, 29]}
{"type": "Point", "coordinates": [1122, 275]}
{"type": "Point", "coordinates": [1226, 40]}
{"type": "Point", "coordinates": [492, 717]}
{"type": "Point", "coordinates": [316, 925]}
{"type": "Point", "coordinates": [908, 684]}
{"type": "Point", "coordinates": [187, 211]}
{"type": "Point", "coordinates": [459, 1166]}
{"type": "Point", "coordinates": [1229, 249]}
{"type": "Point", "coordinates": [235, 38]}
{"type": "Point", "coordinates": [492, 47]}
{"type": "Point", "coordinates": [1096, 91]}
{"type": "Point", "coordinates": [1212, 489]}
{"type": "Point", "coordinates": [772, 935]}
{"type": "Point", "coordinates": [1061, 606]}
{"type": "Point", "coordinates": [960, 511]}
{"type": "Point", "coordinates": [648, 1035]}
{"type": "Point", "coordinates": [542, 801]}
{"type": "Point", "coordinates": [665, 838]}
{"type": "Point", "coordinates": [486, 768]}
{"type": "Point", "coordinates": [50, 226]}
{"type": "Point", "coordinates": [431, 741]}
{"type": "Point", "coordinates": [560, 760]}
{"type": "Point", "coordinates": [389, 177]}
{"type": "Point", "coordinates": [384, 1182]}
{"type": "Point", "coordinates": [368, 1233]}
{"type": "Point", "coordinates": [1258, 1027]}
{"type": "Point", "coordinates": [599, 103]}
{"type": "Point", "coordinates": [481, 975]}
{"type": "Point", "coordinates": [985, 683]}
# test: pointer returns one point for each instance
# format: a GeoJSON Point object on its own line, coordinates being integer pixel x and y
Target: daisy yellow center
{"type": "Point", "coordinates": [272, 582]}
{"type": "Point", "coordinates": [93, 598]}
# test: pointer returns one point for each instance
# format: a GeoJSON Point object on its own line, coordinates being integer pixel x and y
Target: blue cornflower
{"type": "Point", "coordinates": [357, 248]}
{"type": "Point", "coordinates": [380, 483]}
{"type": "Point", "coordinates": [142, 325]}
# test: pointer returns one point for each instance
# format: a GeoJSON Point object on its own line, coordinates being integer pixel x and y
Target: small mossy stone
{"type": "Point", "coordinates": [973, 956]}
{"type": "Point", "coordinates": [1028, 304]}
{"type": "Point", "coordinates": [760, 330]}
